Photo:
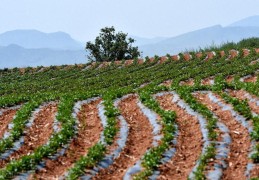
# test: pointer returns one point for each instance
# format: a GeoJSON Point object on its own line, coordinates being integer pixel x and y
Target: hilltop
{"type": "Point", "coordinates": [178, 116]}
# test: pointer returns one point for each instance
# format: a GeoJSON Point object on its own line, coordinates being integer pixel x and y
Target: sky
{"type": "Point", "coordinates": [83, 19]}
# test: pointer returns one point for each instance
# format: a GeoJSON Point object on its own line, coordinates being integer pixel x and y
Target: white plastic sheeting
{"type": "Point", "coordinates": [121, 142]}
{"type": "Point", "coordinates": [239, 118]}
{"type": "Point", "coordinates": [157, 136]}
{"type": "Point", "coordinates": [17, 145]}
{"type": "Point", "coordinates": [10, 125]}
{"type": "Point", "coordinates": [167, 155]}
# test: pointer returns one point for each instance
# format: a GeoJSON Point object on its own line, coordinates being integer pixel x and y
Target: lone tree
{"type": "Point", "coordinates": [109, 46]}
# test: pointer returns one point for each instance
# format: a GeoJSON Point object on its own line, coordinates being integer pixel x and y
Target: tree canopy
{"type": "Point", "coordinates": [110, 46]}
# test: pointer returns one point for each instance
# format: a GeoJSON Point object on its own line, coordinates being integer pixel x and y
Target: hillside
{"type": "Point", "coordinates": [215, 35]}
{"type": "Point", "coordinates": [43, 49]}
{"type": "Point", "coordinates": [192, 115]}
{"type": "Point", "coordinates": [33, 39]}
{"type": "Point", "coordinates": [205, 37]}
{"type": "Point", "coordinates": [252, 21]}
{"type": "Point", "coordinates": [17, 56]}
{"type": "Point", "coordinates": [22, 48]}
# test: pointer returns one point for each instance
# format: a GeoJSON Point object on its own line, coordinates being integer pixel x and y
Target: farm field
{"type": "Point", "coordinates": [193, 115]}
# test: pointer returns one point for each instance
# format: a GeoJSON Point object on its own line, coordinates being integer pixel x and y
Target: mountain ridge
{"type": "Point", "coordinates": [251, 21]}
{"type": "Point", "coordinates": [65, 49]}
{"type": "Point", "coordinates": [214, 35]}
{"type": "Point", "coordinates": [34, 39]}
{"type": "Point", "coordinates": [17, 56]}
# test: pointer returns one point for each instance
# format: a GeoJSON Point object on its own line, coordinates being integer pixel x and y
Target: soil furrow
{"type": "Point", "coordinates": [89, 131]}
{"type": "Point", "coordinates": [189, 82]}
{"type": "Point", "coordinates": [214, 168]}
{"type": "Point", "coordinates": [249, 78]}
{"type": "Point", "coordinates": [207, 81]}
{"type": "Point", "coordinates": [239, 147]}
{"type": "Point", "coordinates": [139, 140]}
{"type": "Point", "coordinates": [253, 101]}
{"type": "Point", "coordinates": [167, 83]}
{"type": "Point", "coordinates": [38, 134]}
{"type": "Point", "coordinates": [189, 142]}
{"type": "Point", "coordinates": [5, 119]}
{"type": "Point", "coordinates": [254, 173]}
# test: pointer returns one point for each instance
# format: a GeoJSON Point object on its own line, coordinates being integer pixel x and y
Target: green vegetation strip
{"type": "Point", "coordinates": [152, 158]}
{"type": "Point", "coordinates": [185, 94]}
{"type": "Point", "coordinates": [69, 84]}
{"type": "Point", "coordinates": [59, 139]}
{"type": "Point", "coordinates": [97, 152]}
{"type": "Point", "coordinates": [19, 122]}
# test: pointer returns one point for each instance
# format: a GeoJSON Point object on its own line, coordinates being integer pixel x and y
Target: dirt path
{"type": "Point", "coordinates": [37, 135]}
{"type": "Point", "coordinates": [89, 131]}
{"type": "Point", "coordinates": [139, 140]}
{"type": "Point", "coordinates": [189, 142]}
{"type": "Point", "coordinates": [6, 119]}
{"type": "Point", "coordinates": [240, 146]}
{"type": "Point", "coordinates": [243, 95]}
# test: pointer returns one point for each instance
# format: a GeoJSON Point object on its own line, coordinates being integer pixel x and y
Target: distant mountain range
{"type": "Point", "coordinates": [33, 39]}
{"type": "Point", "coordinates": [140, 41]}
{"type": "Point", "coordinates": [20, 48]}
{"type": "Point", "coordinates": [202, 38]}
{"type": "Point", "coordinates": [216, 35]}
{"type": "Point", "coordinates": [252, 21]}
{"type": "Point", "coordinates": [17, 56]}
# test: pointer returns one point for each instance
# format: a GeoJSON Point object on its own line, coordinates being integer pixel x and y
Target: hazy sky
{"type": "Point", "coordinates": [82, 19]}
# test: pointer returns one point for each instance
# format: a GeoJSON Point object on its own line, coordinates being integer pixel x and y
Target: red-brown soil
{"type": "Point", "coordinates": [175, 57]}
{"type": "Point", "coordinates": [138, 142]}
{"type": "Point", "coordinates": [199, 55]}
{"type": "Point", "coordinates": [38, 134]}
{"type": "Point", "coordinates": [167, 83]}
{"type": "Point", "coordinates": [252, 79]}
{"type": "Point", "coordinates": [246, 52]}
{"type": "Point", "coordinates": [89, 131]}
{"type": "Point", "coordinates": [233, 54]}
{"type": "Point", "coordinates": [140, 61]}
{"type": "Point", "coordinates": [222, 53]}
{"type": "Point", "coordinates": [187, 57]}
{"type": "Point", "coordinates": [210, 55]}
{"type": "Point", "coordinates": [230, 78]}
{"type": "Point", "coordinates": [207, 81]}
{"type": "Point", "coordinates": [189, 82]}
{"type": "Point", "coordinates": [189, 143]}
{"type": "Point", "coordinates": [163, 59]}
{"type": "Point", "coordinates": [117, 62]}
{"type": "Point", "coordinates": [104, 64]}
{"type": "Point", "coordinates": [151, 59]}
{"type": "Point", "coordinates": [255, 172]}
{"type": "Point", "coordinates": [5, 119]}
{"type": "Point", "coordinates": [240, 146]}
{"type": "Point", "coordinates": [128, 62]}
{"type": "Point", "coordinates": [240, 94]}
